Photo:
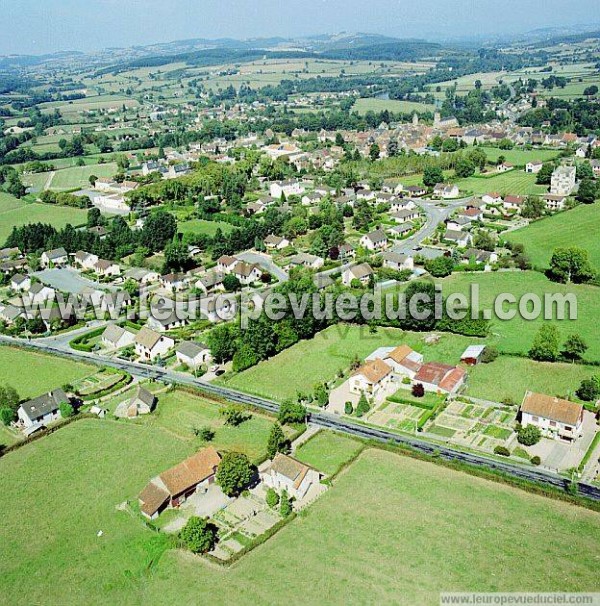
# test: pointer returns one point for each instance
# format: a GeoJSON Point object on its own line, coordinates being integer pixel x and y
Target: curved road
{"type": "Point", "coordinates": [321, 419]}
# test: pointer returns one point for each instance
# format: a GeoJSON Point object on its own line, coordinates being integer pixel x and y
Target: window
{"type": "Point", "coordinates": [535, 419]}
{"type": "Point", "coordinates": [552, 423]}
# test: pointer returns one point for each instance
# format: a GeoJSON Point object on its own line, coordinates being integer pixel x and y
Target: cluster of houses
{"type": "Point", "coordinates": [193, 476]}
{"type": "Point", "coordinates": [390, 365]}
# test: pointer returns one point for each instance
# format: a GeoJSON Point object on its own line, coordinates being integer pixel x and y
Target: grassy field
{"type": "Point", "coordinates": [178, 413]}
{"type": "Point", "coordinates": [516, 335]}
{"type": "Point", "coordinates": [202, 227]}
{"type": "Point", "coordinates": [430, 525]}
{"type": "Point", "coordinates": [509, 377]}
{"type": "Point", "coordinates": [328, 451]}
{"type": "Point", "coordinates": [577, 227]}
{"type": "Point", "coordinates": [42, 372]}
{"type": "Point", "coordinates": [307, 363]}
{"type": "Point", "coordinates": [362, 106]}
{"type": "Point", "coordinates": [519, 157]}
{"type": "Point", "coordinates": [516, 182]}
{"type": "Point", "coordinates": [78, 176]}
{"type": "Point", "coordinates": [15, 212]}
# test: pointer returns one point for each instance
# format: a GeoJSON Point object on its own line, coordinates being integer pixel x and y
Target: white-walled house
{"type": "Point", "coordinates": [375, 240]}
{"type": "Point", "coordinates": [446, 191]}
{"type": "Point", "coordinates": [39, 293]}
{"type": "Point", "coordinates": [362, 272]}
{"type": "Point", "coordinates": [534, 167]}
{"type": "Point", "coordinates": [370, 377]}
{"type": "Point", "coordinates": [20, 282]}
{"type": "Point", "coordinates": [56, 257]}
{"type": "Point", "coordinates": [287, 188]}
{"type": "Point", "coordinates": [286, 473]}
{"type": "Point", "coordinates": [563, 180]}
{"type": "Point", "coordinates": [192, 354]}
{"type": "Point", "coordinates": [43, 409]}
{"type": "Point", "coordinates": [116, 337]}
{"type": "Point", "coordinates": [85, 260]}
{"type": "Point", "coordinates": [276, 242]}
{"type": "Point", "coordinates": [555, 417]}
{"type": "Point", "coordinates": [397, 261]}
{"type": "Point", "coordinates": [150, 345]}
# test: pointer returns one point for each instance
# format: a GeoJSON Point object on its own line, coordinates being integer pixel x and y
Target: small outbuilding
{"type": "Point", "coordinates": [472, 355]}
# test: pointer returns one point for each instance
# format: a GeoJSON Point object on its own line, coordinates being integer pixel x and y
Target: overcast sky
{"type": "Point", "coordinates": [42, 26]}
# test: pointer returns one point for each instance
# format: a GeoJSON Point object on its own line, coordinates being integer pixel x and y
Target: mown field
{"type": "Point", "coordinates": [391, 529]}
{"type": "Point", "coordinates": [33, 374]}
{"type": "Point", "coordinates": [301, 367]}
{"type": "Point", "coordinates": [79, 176]}
{"type": "Point", "coordinates": [509, 377]}
{"type": "Point", "coordinates": [577, 227]}
{"type": "Point", "coordinates": [327, 451]}
{"type": "Point", "coordinates": [178, 413]}
{"type": "Point", "coordinates": [519, 157]}
{"type": "Point", "coordinates": [202, 227]}
{"type": "Point", "coordinates": [516, 335]}
{"type": "Point", "coordinates": [362, 106]}
{"type": "Point", "coordinates": [15, 212]}
{"type": "Point", "coordinates": [516, 182]}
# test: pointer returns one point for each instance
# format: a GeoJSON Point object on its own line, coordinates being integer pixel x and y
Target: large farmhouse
{"type": "Point", "coordinates": [555, 417]}
{"type": "Point", "coordinates": [173, 487]}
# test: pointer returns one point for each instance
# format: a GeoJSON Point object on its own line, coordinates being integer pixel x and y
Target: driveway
{"type": "Point", "coordinates": [559, 455]}
{"type": "Point", "coordinates": [202, 504]}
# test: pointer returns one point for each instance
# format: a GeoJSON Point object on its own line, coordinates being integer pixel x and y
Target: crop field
{"type": "Point", "coordinates": [362, 106]}
{"type": "Point", "coordinates": [516, 335]}
{"type": "Point", "coordinates": [102, 102]}
{"type": "Point", "coordinates": [516, 182]}
{"type": "Point", "coordinates": [577, 227]}
{"type": "Point", "coordinates": [341, 545]}
{"type": "Point", "coordinates": [78, 176]}
{"type": "Point", "coordinates": [15, 212]}
{"type": "Point", "coordinates": [272, 72]}
{"type": "Point", "coordinates": [307, 363]}
{"type": "Point", "coordinates": [43, 373]}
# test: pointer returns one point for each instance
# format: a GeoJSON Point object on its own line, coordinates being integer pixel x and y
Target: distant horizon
{"type": "Point", "coordinates": [98, 25]}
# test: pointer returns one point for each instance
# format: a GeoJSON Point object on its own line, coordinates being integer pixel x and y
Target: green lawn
{"type": "Point", "coordinates": [328, 451]}
{"type": "Point", "coordinates": [509, 377]}
{"type": "Point", "coordinates": [78, 176]}
{"type": "Point", "coordinates": [515, 182]}
{"type": "Point", "coordinates": [516, 335]}
{"type": "Point", "coordinates": [179, 412]}
{"type": "Point", "coordinates": [32, 373]}
{"type": "Point", "coordinates": [577, 227]}
{"type": "Point", "coordinates": [362, 106]}
{"type": "Point", "coordinates": [15, 212]}
{"type": "Point", "coordinates": [309, 362]}
{"type": "Point", "coordinates": [203, 227]}
{"type": "Point", "coordinates": [429, 525]}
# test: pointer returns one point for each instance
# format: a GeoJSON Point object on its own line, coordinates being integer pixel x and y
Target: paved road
{"type": "Point", "coordinates": [435, 215]}
{"type": "Point", "coordinates": [265, 262]}
{"type": "Point", "coordinates": [321, 419]}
